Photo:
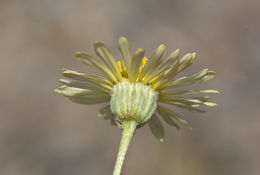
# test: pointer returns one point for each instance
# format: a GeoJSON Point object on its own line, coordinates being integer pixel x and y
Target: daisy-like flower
{"type": "Point", "coordinates": [136, 88]}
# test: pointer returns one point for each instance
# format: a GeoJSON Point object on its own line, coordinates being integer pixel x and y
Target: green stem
{"type": "Point", "coordinates": [128, 132]}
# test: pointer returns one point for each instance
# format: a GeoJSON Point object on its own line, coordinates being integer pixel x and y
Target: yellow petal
{"type": "Point", "coordinates": [186, 61]}
{"type": "Point", "coordinates": [165, 65]}
{"type": "Point", "coordinates": [179, 92]}
{"type": "Point", "coordinates": [125, 50]}
{"type": "Point", "coordinates": [97, 80]}
{"type": "Point", "coordinates": [203, 75]}
{"type": "Point", "coordinates": [210, 91]}
{"type": "Point", "coordinates": [73, 92]}
{"type": "Point", "coordinates": [154, 61]}
{"type": "Point", "coordinates": [175, 115]}
{"type": "Point", "coordinates": [156, 127]}
{"type": "Point", "coordinates": [210, 104]}
{"type": "Point", "coordinates": [138, 59]}
{"type": "Point", "coordinates": [91, 99]}
{"type": "Point", "coordinates": [162, 82]}
{"type": "Point", "coordinates": [91, 61]}
{"type": "Point", "coordinates": [166, 117]}
{"type": "Point", "coordinates": [86, 85]}
{"type": "Point", "coordinates": [191, 107]}
{"type": "Point", "coordinates": [103, 52]}
{"type": "Point", "coordinates": [105, 113]}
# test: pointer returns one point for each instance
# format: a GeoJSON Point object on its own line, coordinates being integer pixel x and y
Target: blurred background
{"type": "Point", "coordinates": [43, 133]}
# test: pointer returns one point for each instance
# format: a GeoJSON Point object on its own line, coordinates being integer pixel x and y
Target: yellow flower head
{"type": "Point", "coordinates": [136, 88]}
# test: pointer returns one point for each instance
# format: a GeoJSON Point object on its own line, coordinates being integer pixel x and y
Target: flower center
{"type": "Point", "coordinates": [133, 101]}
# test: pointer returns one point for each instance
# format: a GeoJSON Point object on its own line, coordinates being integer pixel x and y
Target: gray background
{"type": "Point", "coordinates": [43, 133]}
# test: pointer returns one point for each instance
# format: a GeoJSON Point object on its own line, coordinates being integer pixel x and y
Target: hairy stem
{"type": "Point", "coordinates": [128, 132]}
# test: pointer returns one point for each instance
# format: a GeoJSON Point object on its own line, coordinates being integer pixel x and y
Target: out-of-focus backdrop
{"type": "Point", "coordinates": [43, 133]}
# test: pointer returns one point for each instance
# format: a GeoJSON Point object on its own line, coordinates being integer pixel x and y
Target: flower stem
{"type": "Point", "coordinates": [127, 134]}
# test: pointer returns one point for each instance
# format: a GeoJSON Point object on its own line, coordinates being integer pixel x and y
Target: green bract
{"type": "Point", "coordinates": [133, 101]}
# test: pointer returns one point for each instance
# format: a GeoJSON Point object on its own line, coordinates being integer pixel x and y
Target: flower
{"type": "Point", "coordinates": [135, 89]}
{"type": "Point", "coordinates": [138, 86]}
